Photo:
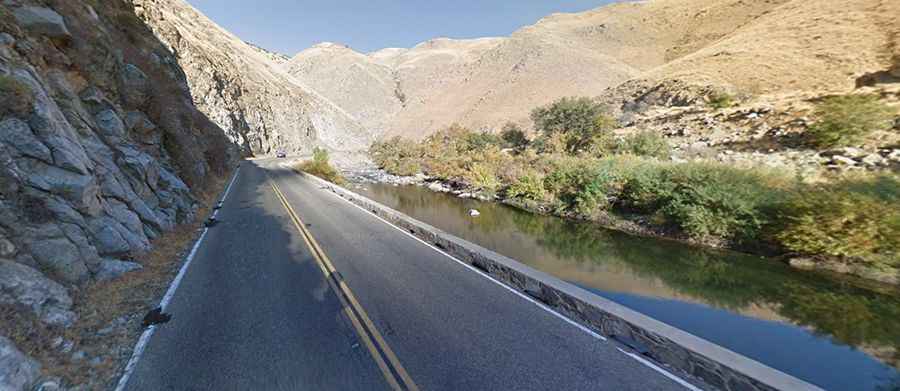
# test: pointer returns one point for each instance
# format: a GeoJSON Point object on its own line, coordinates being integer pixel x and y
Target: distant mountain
{"type": "Point", "coordinates": [242, 88]}
{"type": "Point", "coordinates": [744, 47]}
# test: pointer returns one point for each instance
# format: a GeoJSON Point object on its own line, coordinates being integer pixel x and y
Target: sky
{"type": "Point", "coordinates": [289, 26]}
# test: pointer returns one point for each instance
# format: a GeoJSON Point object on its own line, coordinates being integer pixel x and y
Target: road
{"type": "Point", "coordinates": [334, 298]}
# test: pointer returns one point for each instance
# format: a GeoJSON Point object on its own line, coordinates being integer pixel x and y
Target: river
{"type": "Point", "coordinates": [824, 330]}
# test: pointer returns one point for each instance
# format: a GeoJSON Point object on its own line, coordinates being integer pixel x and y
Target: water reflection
{"type": "Point", "coordinates": [831, 333]}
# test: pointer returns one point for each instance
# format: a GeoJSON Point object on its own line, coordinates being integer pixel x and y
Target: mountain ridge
{"type": "Point", "coordinates": [241, 87]}
{"type": "Point", "coordinates": [717, 45]}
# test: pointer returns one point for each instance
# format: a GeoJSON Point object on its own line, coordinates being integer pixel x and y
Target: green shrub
{"type": "Point", "coordinates": [645, 143]}
{"type": "Point", "coordinates": [646, 187]}
{"type": "Point", "coordinates": [721, 100]}
{"type": "Point", "coordinates": [397, 156]}
{"type": "Point", "coordinates": [550, 144]}
{"type": "Point", "coordinates": [481, 140]}
{"type": "Point", "coordinates": [16, 98]}
{"type": "Point", "coordinates": [848, 119]}
{"type": "Point", "coordinates": [404, 167]}
{"type": "Point", "coordinates": [582, 185]}
{"type": "Point", "coordinates": [513, 136]}
{"type": "Point", "coordinates": [705, 200]}
{"type": "Point", "coordinates": [857, 218]}
{"type": "Point", "coordinates": [527, 187]}
{"type": "Point", "coordinates": [321, 167]}
{"type": "Point", "coordinates": [713, 200]}
{"type": "Point", "coordinates": [579, 119]}
{"type": "Point", "coordinates": [482, 176]}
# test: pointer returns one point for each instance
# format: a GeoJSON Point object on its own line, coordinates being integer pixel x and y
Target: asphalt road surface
{"type": "Point", "coordinates": [297, 289]}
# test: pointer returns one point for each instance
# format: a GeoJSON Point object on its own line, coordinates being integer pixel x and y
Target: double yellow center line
{"type": "Point", "coordinates": [372, 339]}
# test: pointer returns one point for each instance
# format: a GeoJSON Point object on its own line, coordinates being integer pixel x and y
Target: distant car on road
{"type": "Point", "coordinates": [280, 154]}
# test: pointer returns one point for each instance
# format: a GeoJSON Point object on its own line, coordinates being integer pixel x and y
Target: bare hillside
{"type": "Point", "coordinates": [746, 48]}
{"type": "Point", "coordinates": [351, 80]}
{"type": "Point", "coordinates": [242, 88]}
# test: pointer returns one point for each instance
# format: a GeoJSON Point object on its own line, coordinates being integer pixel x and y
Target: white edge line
{"type": "Point", "coordinates": [660, 370]}
{"type": "Point", "coordinates": [483, 274]}
{"type": "Point", "coordinates": [148, 333]}
{"type": "Point", "coordinates": [526, 297]}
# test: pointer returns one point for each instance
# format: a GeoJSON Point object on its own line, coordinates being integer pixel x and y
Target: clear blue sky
{"type": "Point", "coordinates": [288, 26]}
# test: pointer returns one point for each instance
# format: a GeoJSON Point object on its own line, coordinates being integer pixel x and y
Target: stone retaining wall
{"type": "Point", "coordinates": [672, 347]}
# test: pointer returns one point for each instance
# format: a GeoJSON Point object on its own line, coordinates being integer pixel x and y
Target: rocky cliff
{"type": "Point", "coordinates": [101, 148]}
{"type": "Point", "coordinates": [243, 89]}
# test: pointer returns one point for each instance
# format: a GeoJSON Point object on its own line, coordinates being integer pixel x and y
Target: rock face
{"type": "Point", "coordinates": [43, 21]}
{"type": "Point", "coordinates": [17, 371]}
{"type": "Point", "coordinates": [242, 88]}
{"type": "Point", "coordinates": [25, 287]}
{"type": "Point", "coordinates": [744, 47]}
{"type": "Point", "coordinates": [100, 159]}
{"type": "Point", "coordinates": [113, 268]}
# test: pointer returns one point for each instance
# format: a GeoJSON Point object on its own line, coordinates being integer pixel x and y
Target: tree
{"type": "Point", "coordinates": [580, 119]}
{"type": "Point", "coordinates": [514, 137]}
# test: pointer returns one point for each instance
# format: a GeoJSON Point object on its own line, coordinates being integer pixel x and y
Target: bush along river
{"type": "Point", "coordinates": [824, 330]}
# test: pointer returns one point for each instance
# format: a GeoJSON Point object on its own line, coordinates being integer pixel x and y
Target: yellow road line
{"type": "Point", "coordinates": [344, 293]}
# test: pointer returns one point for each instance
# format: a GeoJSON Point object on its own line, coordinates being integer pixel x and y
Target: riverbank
{"type": "Point", "coordinates": [730, 298]}
{"type": "Point", "coordinates": [876, 278]}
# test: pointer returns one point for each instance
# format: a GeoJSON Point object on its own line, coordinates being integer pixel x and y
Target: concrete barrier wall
{"type": "Point", "coordinates": [676, 349]}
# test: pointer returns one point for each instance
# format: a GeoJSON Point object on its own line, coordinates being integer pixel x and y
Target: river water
{"type": "Point", "coordinates": [820, 329]}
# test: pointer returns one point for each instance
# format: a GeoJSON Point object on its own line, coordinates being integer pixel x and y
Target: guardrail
{"type": "Point", "coordinates": [685, 352]}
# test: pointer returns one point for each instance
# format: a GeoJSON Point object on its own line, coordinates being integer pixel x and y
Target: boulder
{"type": "Point", "coordinates": [872, 160]}
{"type": "Point", "coordinates": [171, 182]}
{"type": "Point", "coordinates": [22, 285]}
{"type": "Point", "coordinates": [62, 211]}
{"type": "Point", "coordinates": [113, 268]}
{"type": "Point", "coordinates": [894, 156]}
{"type": "Point", "coordinates": [86, 250]}
{"type": "Point", "coordinates": [82, 191]}
{"type": "Point", "coordinates": [17, 371]}
{"type": "Point", "coordinates": [61, 258]}
{"type": "Point", "coordinates": [148, 216]}
{"type": "Point", "coordinates": [438, 187]}
{"type": "Point", "coordinates": [842, 161]}
{"type": "Point", "coordinates": [125, 216]}
{"type": "Point", "coordinates": [50, 384]}
{"type": "Point", "coordinates": [7, 248]}
{"type": "Point", "coordinates": [68, 155]}
{"type": "Point", "coordinates": [111, 187]}
{"type": "Point", "coordinates": [107, 239]}
{"type": "Point", "coordinates": [142, 128]}
{"type": "Point", "coordinates": [44, 21]}
{"type": "Point", "coordinates": [110, 126]}
{"type": "Point", "coordinates": [7, 40]}
{"type": "Point", "coordinates": [853, 153]}
{"type": "Point", "coordinates": [141, 165]}
{"type": "Point", "coordinates": [137, 122]}
{"type": "Point", "coordinates": [95, 100]}
{"type": "Point", "coordinates": [18, 135]}
{"type": "Point", "coordinates": [135, 87]}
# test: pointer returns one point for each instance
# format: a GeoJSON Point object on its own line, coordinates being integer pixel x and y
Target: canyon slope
{"type": "Point", "coordinates": [101, 152]}
{"type": "Point", "coordinates": [241, 87]}
{"type": "Point", "coordinates": [689, 48]}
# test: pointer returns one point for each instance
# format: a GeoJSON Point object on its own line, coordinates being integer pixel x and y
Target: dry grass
{"type": "Point", "coordinates": [121, 302]}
